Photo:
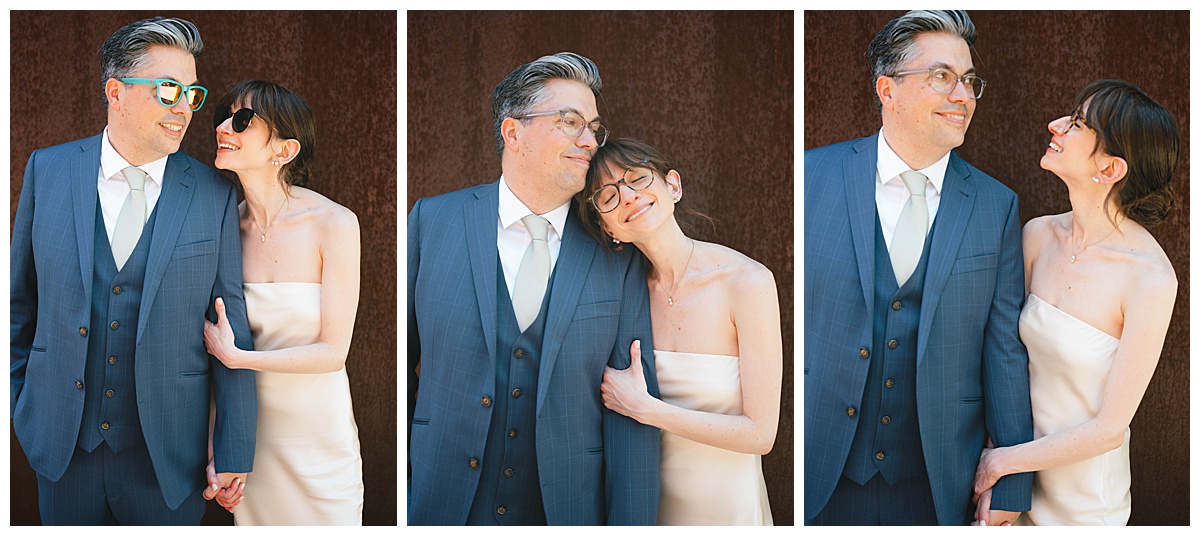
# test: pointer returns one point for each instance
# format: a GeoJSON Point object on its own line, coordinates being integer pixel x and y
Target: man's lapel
{"type": "Point", "coordinates": [84, 173]}
{"type": "Point", "coordinates": [170, 213]}
{"type": "Point", "coordinates": [954, 212]}
{"type": "Point", "coordinates": [858, 178]}
{"type": "Point", "coordinates": [479, 220]}
{"type": "Point", "coordinates": [574, 261]}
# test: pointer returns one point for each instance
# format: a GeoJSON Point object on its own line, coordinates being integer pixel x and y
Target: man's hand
{"type": "Point", "coordinates": [225, 487]}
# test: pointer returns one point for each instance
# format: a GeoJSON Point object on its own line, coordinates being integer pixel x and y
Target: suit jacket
{"type": "Point", "coordinates": [595, 465]}
{"type": "Point", "coordinates": [972, 370]}
{"type": "Point", "coordinates": [195, 257]}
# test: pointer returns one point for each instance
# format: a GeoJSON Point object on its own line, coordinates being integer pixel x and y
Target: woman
{"type": "Point", "coordinates": [300, 264]}
{"type": "Point", "coordinates": [718, 350]}
{"type": "Point", "coordinates": [1090, 361]}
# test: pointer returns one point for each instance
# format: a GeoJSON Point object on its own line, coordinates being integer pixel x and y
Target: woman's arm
{"type": "Point", "coordinates": [1147, 309]}
{"type": "Point", "coordinates": [339, 304]}
{"type": "Point", "coordinates": [760, 348]}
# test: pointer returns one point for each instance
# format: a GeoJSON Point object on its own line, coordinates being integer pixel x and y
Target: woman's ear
{"type": "Point", "coordinates": [286, 151]}
{"type": "Point", "coordinates": [676, 184]}
{"type": "Point", "coordinates": [1113, 171]}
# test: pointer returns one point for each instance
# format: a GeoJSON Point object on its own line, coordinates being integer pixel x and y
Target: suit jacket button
{"type": "Point", "coordinates": [885, 419]}
{"type": "Point", "coordinates": [117, 290]}
{"type": "Point", "coordinates": [889, 383]}
{"type": "Point", "coordinates": [516, 393]}
{"type": "Point", "coordinates": [508, 472]}
{"type": "Point", "coordinates": [114, 324]}
{"type": "Point", "coordinates": [512, 434]}
{"type": "Point", "coordinates": [863, 353]}
{"type": "Point", "coordinates": [486, 401]}
{"type": "Point", "coordinates": [893, 344]}
{"type": "Point", "coordinates": [850, 412]}
{"type": "Point", "coordinates": [110, 393]}
{"type": "Point", "coordinates": [473, 463]}
{"type": "Point", "coordinates": [896, 306]}
{"type": "Point", "coordinates": [83, 332]}
{"type": "Point", "coordinates": [79, 385]}
{"type": "Point", "coordinates": [104, 425]}
{"type": "Point", "coordinates": [501, 510]}
{"type": "Point", "coordinates": [879, 455]}
{"type": "Point", "coordinates": [519, 353]}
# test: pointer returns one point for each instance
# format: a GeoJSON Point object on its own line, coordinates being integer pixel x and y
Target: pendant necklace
{"type": "Point", "coordinates": [670, 297]}
{"type": "Point", "coordinates": [1076, 254]}
{"type": "Point", "coordinates": [263, 232]}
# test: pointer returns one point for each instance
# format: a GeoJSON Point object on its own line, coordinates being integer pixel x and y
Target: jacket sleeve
{"type": "Point", "coordinates": [234, 390]}
{"type": "Point", "coordinates": [23, 299]}
{"type": "Point", "coordinates": [631, 449]}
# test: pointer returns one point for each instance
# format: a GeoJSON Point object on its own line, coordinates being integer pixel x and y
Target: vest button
{"type": "Point", "coordinates": [117, 290]}
{"type": "Point", "coordinates": [893, 344]}
{"type": "Point", "coordinates": [889, 383]}
{"type": "Point", "coordinates": [879, 455]}
{"type": "Point", "coordinates": [83, 332]}
{"type": "Point", "coordinates": [112, 360]}
{"type": "Point", "coordinates": [501, 510]}
{"type": "Point", "coordinates": [850, 412]}
{"type": "Point", "coordinates": [114, 324]}
{"type": "Point", "coordinates": [516, 393]}
{"type": "Point", "coordinates": [79, 385]}
{"type": "Point", "coordinates": [512, 434]}
{"type": "Point", "coordinates": [486, 401]}
{"type": "Point", "coordinates": [104, 425]}
{"type": "Point", "coordinates": [895, 306]}
{"type": "Point", "coordinates": [519, 353]}
{"type": "Point", "coordinates": [473, 463]}
{"type": "Point", "coordinates": [863, 353]}
{"type": "Point", "coordinates": [508, 472]}
{"type": "Point", "coordinates": [110, 393]}
{"type": "Point", "coordinates": [885, 419]}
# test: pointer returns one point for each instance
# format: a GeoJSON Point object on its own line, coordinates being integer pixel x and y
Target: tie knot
{"type": "Point", "coordinates": [135, 177]}
{"type": "Point", "coordinates": [538, 226]}
{"type": "Point", "coordinates": [915, 181]}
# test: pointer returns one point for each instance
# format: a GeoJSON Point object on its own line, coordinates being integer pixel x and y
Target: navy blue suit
{"type": "Point", "coordinates": [595, 466]}
{"type": "Point", "coordinates": [971, 375]}
{"type": "Point", "coordinates": [194, 256]}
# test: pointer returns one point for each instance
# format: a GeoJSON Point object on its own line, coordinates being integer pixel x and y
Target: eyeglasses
{"type": "Point", "coordinates": [572, 124]}
{"type": "Point", "coordinates": [944, 81]}
{"type": "Point", "coordinates": [170, 91]}
{"type": "Point", "coordinates": [1076, 120]}
{"type": "Point", "coordinates": [241, 119]}
{"type": "Point", "coordinates": [608, 197]}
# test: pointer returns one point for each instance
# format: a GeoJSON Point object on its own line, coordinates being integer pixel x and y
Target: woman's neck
{"type": "Point", "coordinates": [669, 251]}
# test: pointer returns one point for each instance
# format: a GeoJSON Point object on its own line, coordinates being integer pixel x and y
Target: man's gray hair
{"type": "Point", "coordinates": [524, 87]}
{"type": "Point", "coordinates": [124, 52]}
{"type": "Point", "coordinates": [895, 43]}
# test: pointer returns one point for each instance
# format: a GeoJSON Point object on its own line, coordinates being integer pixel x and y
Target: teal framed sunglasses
{"type": "Point", "coordinates": [170, 91]}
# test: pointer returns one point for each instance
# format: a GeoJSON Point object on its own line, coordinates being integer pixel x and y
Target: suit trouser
{"type": "Point", "coordinates": [909, 502]}
{"type": "Point", "coordinates": [106, 488]}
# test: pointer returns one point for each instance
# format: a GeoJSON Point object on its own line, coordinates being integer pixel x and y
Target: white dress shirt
{"type": "Point", "coordinates": [112, 186]}
{"type": "Point", "coordinates": [512, 237]}
{"type": "Point", "coordinates": [891, 194]}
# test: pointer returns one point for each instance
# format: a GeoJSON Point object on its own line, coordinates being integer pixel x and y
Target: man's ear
{"type": "Point", "coordinates": [113, 90]}
{"type": "Point", "coordinates": [510, 132]}
{"type": "Point", "coordinates": [884, 85]}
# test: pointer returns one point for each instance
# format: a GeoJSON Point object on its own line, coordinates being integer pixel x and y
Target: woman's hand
{"type": "Point", "coordinates": [624, 391]}
{"type": "Point", "coordinates": [229, 496]}
{"type": "Point", "coordinates": [987, 473]}
{"type": "Point", "coordinates": [218, 338]}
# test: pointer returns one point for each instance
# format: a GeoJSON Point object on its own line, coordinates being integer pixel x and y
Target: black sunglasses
{"type": "Point", "coordinates": [241, 119]}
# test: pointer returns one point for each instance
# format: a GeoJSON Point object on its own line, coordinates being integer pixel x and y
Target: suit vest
{"type": "Point", "coordinates": [888, 437]}
{"type": "Point", "coordinates": [509, 491]}
{"type": "Point", "coordinates": [110, 402]}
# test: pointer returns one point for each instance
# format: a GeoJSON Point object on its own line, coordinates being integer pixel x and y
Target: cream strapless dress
{"type": "Point", "coordinates": [701, 484]}
{"type": "Point", "coordinates": [307, 468]}
{"type": "Point", "coordinates": [1069, 361]}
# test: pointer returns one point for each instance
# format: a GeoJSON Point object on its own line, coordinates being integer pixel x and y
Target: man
{"type": "Point", "coordinates": [913, 285]}
{"type": "Point", "coordinates": [513, 313]}
{"type": "Point", "coordinates": [119, 247]}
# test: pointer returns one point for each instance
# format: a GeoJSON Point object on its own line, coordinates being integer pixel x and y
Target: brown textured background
{"type": "Point", "coordinates": [1035, 63]}
{"type": "Point", "coordinates": [344, 65]}
{"type": "Point", "coordinates": [712, 91]}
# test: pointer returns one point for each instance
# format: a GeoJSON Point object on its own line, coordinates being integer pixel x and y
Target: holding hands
{"type": "Point", "coordinates": [986, 476]}
{"type": "Point", "coordinates": [225, 487]}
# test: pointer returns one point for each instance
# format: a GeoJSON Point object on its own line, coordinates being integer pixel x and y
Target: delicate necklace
{"type": "Point", "coordinates": [1080, 251]}
{"type": "Point", "coordinates": [263, 236]}
{"type": "Point", "coordinates": [670, 296]}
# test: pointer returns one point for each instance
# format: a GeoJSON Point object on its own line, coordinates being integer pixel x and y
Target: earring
{"type": "Point", "coordinates": [1094, 179]}
{"type": "Point", "coordinates": [274, 162]}
{"type": "Point", "coordinates": [615, 241]}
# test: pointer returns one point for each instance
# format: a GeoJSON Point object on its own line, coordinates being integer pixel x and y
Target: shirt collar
{"type": "Point", "coordinates": [111, 163]}
{"type": "Point", "coordinates": [512, 210]}
{"type": "Point", "coordinates": [890, 166]}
